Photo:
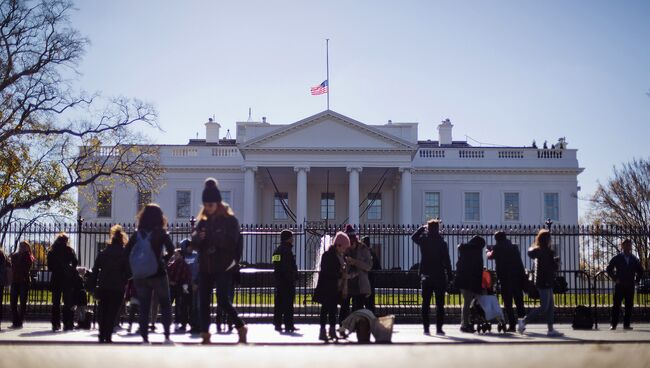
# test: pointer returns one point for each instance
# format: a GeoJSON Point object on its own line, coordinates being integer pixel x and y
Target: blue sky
{"type": "Point", "coordinates": [504, 72]}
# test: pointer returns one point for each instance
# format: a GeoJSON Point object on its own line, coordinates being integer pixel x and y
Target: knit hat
{"type": "Point", "coordinates": [211, 193]}
{"type": "Point", "coordinates": [285, 235]}
{"type": "Point", "coordinates": [341, 239]}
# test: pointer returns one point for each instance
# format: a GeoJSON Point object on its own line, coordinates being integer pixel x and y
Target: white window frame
{"type": "Point", "coordinates": [480, 207]}
{"type": "Point", "coordinates": [559, 215]}
{"type": "Point", "coordinates": [110, 215]}
{"type": "Point", "coordinates": [286, 215]}
{"type": "Point", "coordinates": [137, 199]}
{"type": "Point", "coordinates": [503, 205]}
{"type": "Point", "coordinates": [176, 203]}
{"type": "Point", "coordinates": [332, 215]}
{"type": "Point", "coordinates": [381, 207]}
{"type": "Point", "coordinates": [424, 203]}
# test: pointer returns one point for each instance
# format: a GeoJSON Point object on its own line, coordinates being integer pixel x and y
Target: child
{"type": "Point", "coordinates": [180, 278]}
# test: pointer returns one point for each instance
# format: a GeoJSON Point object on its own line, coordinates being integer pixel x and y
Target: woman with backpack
{"type": "Point", "coordinates": [545, 268]}
{"type": "Point", "coordinates": [21, 263]}
{"type": "Point", "coordinates": [219, 244]}
{"type": "Point", "coordinates": [148, 266]}
{"type": "Point", "coordinates": [62, 262]}
{"type": "Point", "coordinates": [110, 274]}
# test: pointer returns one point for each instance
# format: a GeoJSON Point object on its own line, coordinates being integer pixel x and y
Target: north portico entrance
{"type": "Point", "coordinates": [368, 166]}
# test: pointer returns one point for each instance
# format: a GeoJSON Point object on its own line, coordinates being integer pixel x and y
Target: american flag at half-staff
{"type": "Point", "coordinates": [319, 89]}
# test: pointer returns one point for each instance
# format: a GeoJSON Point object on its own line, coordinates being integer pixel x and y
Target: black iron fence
{"type": "Point", "coordinates": [584, 252]}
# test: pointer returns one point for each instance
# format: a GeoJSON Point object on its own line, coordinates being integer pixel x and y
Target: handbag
{"type": "Point", "coordinates": [530, 288]}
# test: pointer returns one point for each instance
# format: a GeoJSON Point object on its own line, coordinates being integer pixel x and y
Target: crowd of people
{"type": "Point", "coordinates": [145, 274]}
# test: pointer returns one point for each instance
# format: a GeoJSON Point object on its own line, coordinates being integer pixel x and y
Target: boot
{"type": "Point", "coordinates": [242, 331]}
{"type": "Point", "coordinates": [205, 336]}
{"type": "Point", "coordinates": [322, 336]}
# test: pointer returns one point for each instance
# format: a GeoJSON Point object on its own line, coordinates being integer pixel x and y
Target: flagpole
{"type": "Point", "coordinates": [327, 62]}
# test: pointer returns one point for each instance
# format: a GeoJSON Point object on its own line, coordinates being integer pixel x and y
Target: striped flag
{"type": "Point", "coordinates": [319, 89]}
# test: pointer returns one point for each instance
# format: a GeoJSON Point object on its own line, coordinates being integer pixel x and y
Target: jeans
{"type": "Point", "coordinates": [160, 287]}
{"type": "Point", "coordinates": [109, 305]}
{"type": "Point", "coordinates": [622, 292]}
{"type": "Point", "coordinates": [68, 303]}
{"type": "Point", "coordinates": [18, 292]}
{"type": "Point", "coordinates": [509, 291]}
{"type": "Point", "coordinates": [468, 296]}
{"type": "Point", "coordinates": [428, 289]}
{"type": "Point", "coordinates": [223, 281]}
{"type": "Point", "coordinates": [546, 307]}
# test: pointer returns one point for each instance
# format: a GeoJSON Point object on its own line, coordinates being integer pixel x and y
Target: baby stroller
{"type": "Point", "coordinates": [485, 308]}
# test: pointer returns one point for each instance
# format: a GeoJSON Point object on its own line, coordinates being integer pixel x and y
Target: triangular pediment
{"type": "Point", "coordinates": [328, 130]}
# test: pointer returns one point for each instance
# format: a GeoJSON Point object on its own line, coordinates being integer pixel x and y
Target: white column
{"type": "Point", "coordinates": [250, 208]}
{"type": "Point", "coordinates": [405, 196]}
{"type": "Point", "coordinates": [301, 194]}
{"type": "Point", "coordinates": [353, 196]}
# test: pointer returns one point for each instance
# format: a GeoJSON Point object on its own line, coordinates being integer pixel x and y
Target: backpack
{"type": "Point", "coordinates": [142, 259]}
{"type": "Point", "coordinates": [582, 319]}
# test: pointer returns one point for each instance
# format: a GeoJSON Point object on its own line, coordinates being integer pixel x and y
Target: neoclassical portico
{"type": "Point", "coordinates": [326, 141]}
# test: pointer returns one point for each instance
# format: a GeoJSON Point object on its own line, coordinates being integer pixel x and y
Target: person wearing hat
{"type": "Point", "coordinates": [191, 257]}
{"type": "Point", "coordinates": [285, 272]}
{"type": "Point", "coordinates": [359, 262]}
{"type": "Point", "coordinates": [219, 244]}
{"type": "Point", "coordinates": [331, 287]}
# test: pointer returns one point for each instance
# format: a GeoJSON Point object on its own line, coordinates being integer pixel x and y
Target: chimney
{"type": "Point", "coordinates": [212, 131]}
{"type": "Point", "coordinates": [444, 132]}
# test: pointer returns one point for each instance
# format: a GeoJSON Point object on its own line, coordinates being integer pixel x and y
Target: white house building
{"type": "Point", "coordinates": [329, 167]}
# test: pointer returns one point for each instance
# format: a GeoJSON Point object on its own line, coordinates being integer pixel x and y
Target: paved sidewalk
{"type": "Point", "coordinates": [264, 334]}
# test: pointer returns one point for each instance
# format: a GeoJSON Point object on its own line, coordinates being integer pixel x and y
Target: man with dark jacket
{"type": "Point", "coordinates": [285, 271]}
{"type": "Point", "coordinates": [435, 271]}
{"type": "Point", "coordinates": [511, 274]}
{"type": "Point", "coordinates": [469, 276]}
{"type": "Point", "coordinates": [624, 269]}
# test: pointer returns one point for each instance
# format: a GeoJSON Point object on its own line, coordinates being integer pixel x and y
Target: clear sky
{"type": "Point", "coordinates": [504, 72]}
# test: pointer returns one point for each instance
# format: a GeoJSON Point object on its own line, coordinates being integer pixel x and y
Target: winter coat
{"type": "Point", "coordinates": [4, 269]}
{"type": "Point", "coordinates": [111, 270]}
{"type": "Point", "coordinates": [179, 272]}
{"type": "Point", "coordinates": [21, 266]}
{"type": "Point", "coordinates": [62, 262]}
{"type": "Point", "coordinates": [626, 274]}
{"type": "Point", "coordinates": [360, 265]}
{"type": "Point", "coordinates": [159, 239]}
{"type": "Point", "coordinates": [469, 267]}
{"type": "Point", "coordinates": [435, 263]}
{"type": "Point", "coordinates": [285, 269]}
{"type": "Point", "coordinates": [221, 249]}
{"type": "Point", "coordinates": [509, 266]}
{"type": "Point", "coordinates": [544, 267]}
{"type": "Point", "coordinates": [328, 289]}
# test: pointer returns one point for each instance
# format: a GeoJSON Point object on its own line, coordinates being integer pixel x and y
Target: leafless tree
{"type": "Point", "coordinates": [621, 208]}
{"type": "Point", "coordinates": [54, 139]}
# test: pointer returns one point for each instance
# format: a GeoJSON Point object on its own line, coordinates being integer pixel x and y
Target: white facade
{"type": "Point", "coordinates": [412, 179]}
